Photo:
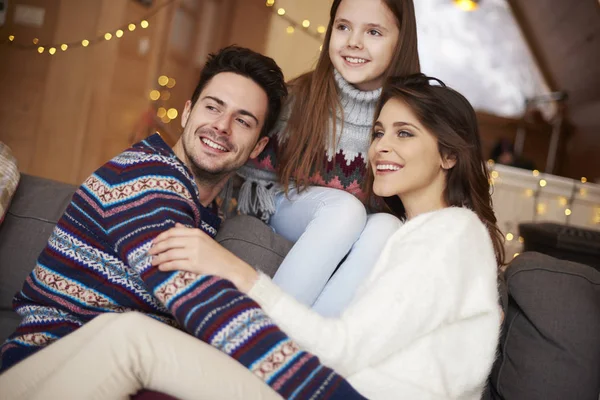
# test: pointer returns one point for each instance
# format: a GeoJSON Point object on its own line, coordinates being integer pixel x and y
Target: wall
{"type": "Point", "coordinates": [64, 115]}
{"type": "Point", "coordinates": [298, 52]}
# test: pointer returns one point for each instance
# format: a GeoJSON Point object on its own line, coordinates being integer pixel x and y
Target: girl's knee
{"type": "Point", "coordinates": [344, 205]}
{"type": "Point", "coordinates": [383, 222]}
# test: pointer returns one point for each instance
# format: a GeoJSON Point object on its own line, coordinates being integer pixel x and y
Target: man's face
{"type": "Point", "coordinates": [221, 131]}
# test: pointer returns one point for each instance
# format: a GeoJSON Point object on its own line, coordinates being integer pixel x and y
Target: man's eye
{"type": "Point", "coordinates": [243, 122]}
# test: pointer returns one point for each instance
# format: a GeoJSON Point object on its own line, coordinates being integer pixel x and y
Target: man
{"type": "Point", "coordinates": [96, 260]}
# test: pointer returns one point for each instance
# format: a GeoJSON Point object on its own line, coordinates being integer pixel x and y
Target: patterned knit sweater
{"type": "Point", "coordinates": [345, 161]}
{"type": "Point", "coordinates": [96, 261]}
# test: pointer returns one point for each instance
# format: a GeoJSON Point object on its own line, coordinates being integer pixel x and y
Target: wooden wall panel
{"type": "Point", "coordinates": [64, 115]}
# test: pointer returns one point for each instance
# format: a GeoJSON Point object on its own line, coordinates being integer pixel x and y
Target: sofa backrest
{"type": "Point", "coordinates": [550, 345]}
{"type": "Point", "coordinates": [36, 207]}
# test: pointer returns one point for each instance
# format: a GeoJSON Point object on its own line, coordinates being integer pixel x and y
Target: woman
{"type": "Point", "coordinates": [425, 322]}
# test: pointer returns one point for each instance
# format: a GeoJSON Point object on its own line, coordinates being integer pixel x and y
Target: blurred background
{"type": "Point", "coordinates": [81, 80]}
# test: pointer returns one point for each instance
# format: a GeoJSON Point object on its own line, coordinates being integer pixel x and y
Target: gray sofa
{"type": "Point", "coordinates": [550, 346]}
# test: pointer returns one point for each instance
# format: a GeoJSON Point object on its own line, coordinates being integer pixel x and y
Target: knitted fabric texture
{"type": "Point", "coordinates": [344, 161]}
{"type": "Point", "coordinates": [97, 261]}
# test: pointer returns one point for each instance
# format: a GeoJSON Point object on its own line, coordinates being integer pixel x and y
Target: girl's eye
{"type": "Point", "coordinates": [377, 134]}
{"type": "Point", "coordinates": [404, 134]}
{"type": "Point", "coordinates": [374, 32]}
{"type": "Point", "coordinates": [342, 27]}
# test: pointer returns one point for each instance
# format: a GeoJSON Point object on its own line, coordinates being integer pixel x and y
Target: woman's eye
{"type": "Point", "coordinates": [374, 32]}
{"type": "Point", "coordinates": [404, 134]}
{"type": "Point", "coordinates": [377, 134]}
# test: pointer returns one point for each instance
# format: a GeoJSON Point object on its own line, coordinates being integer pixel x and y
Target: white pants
{"type": "Point", "coordinates": [116, 355]}
{"type": "Point", "coordinates": [327, 225]}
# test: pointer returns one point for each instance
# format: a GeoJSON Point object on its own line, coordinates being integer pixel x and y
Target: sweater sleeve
{"type": "Point", "coordinates": [413, 289]}
{"type": "Point", "coordinates": [212, 309]}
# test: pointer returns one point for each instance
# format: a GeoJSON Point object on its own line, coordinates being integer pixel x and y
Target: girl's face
{"type": "Point", "coordinates": [404, 155]}
{"type": "Point", "coordinates": [363, 40]}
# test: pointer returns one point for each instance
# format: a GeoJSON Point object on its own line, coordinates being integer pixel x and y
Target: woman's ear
{"type": "Point", "coordinates": [448, 161]}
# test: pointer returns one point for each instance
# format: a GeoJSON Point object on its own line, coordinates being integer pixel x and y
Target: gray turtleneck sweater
{"type": "Point", "coordinates": [345, 163]}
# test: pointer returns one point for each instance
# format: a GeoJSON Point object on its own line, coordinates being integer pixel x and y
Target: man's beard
{"type": "Point", "coordinates": [201, 173]}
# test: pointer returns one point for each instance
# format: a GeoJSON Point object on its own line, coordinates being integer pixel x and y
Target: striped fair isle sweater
{"type": "Point", "coordinates": [344, 162]}
{"type": "Point", "coordinates": [96, 261]}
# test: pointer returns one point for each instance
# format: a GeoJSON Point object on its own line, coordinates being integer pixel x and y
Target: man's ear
{"type": "Point", "coordinates": [260, 145]}
{"type": "Point", "coordinates": [186, 113]}
{"type": "Point", "coordinates": [448, 161]}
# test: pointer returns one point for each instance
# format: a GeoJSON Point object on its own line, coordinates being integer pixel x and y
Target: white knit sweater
{"type": "Point", "coordinates": [424, 324]}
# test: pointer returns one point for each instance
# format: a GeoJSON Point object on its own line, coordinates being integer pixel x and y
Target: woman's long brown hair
{"type": "Point", "coordinates": [315, 98]}
{"type": "Point", "coordinates": [448, 116]}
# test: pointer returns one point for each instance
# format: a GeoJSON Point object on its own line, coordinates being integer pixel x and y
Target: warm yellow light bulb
{"type": "Point", "coordinates": [541, 208]}
{"type": "Point", "coordinates": [509, 236]}
{"type": "Point", "coordinates": [144, 24]}
{"type": "Point", "coordinates": [290, 29]}
{"type": "Point", "coordinates": [466, 5]}
{"type": "Point", "coordinates": [516, 255]}
{"type": "Point", "coordinates": [270, 3]}
{"type": "Point", "coordinates": [64, 47]}
{"type": "Point", "coordinates": [36, 40]}
{"type": "Point", "coordinates": [172, 113]}
{"type": "Point", "coordinates": [529, 192]}
{"type": "Point", "coordinates": [161, 112]}
{"type": "Point", "coordinates": [52, 50]}
{"type": "Point", "coordinates": [281, 11]}
{"type": "Point", "coordinates": [85, 43]}
{"type": "Point", "coordinates": [171, 83]}
{"type": "Point", "coordinates": [568, 212]}
{"type": "Point", "coordinates": [163, 80]}
{"type": "Point", "coordinates": [154, 95]}
{"type": "Point", "coordinates": [521, 239]}
{"type": "Point", "coordinates": [306, 23]}
{"type": "Point", "coordinates": [108, 36]}
{"type": "Point", "coordinates": [321, 29]}
{"type": "Point", "coordinates": [40, 49]}
{"type": "Point", "coordinates": [562, 201]}
{"type": "Point", "coordinates": [583, 179]}
{"type": "Point", "coordinates": [535, 173]}
{"type": "Point", "coordinates": [543, 183]}
{"type": "Point", "coordinates": [119, 33]}
{"type": "Point", "coordinates": [11, 37]}
{"type": "Point", "coordinates": [131, 27]}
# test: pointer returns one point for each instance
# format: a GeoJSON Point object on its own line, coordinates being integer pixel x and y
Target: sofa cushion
{"type": "Point", "coordinates": [9, 178]}
{"type": "Point", "coordinates": [36, 207]}
{"type": "Point", "coordinates": [550, 347]}
{"type": "Point", "coordinates": [254, 242]}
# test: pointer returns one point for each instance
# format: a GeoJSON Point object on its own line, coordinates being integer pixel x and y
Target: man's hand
{"type": "Point", "coordinates": [190, 249]}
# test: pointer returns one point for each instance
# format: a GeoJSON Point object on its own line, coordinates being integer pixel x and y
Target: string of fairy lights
{"type": "Point", "coordinates": [540, 208]}
{"type": "Point", "coordinates": [56, 48]}
{"type": "Point", "coordinates": [293, 25]}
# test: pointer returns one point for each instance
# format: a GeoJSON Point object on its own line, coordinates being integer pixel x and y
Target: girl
{"type": "Point", "coordinates": [321, 143]}
{"type": "Point", "coordinates": [425, 323]}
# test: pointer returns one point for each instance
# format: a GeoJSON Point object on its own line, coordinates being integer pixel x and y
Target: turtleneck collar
{"type": "Point", "coordinates": [358, 106]}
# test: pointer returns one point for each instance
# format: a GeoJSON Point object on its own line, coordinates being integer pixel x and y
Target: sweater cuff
{"type": "Point", "coordinates": [265, 292]}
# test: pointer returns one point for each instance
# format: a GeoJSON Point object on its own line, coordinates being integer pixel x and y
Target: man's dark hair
{"type": "Point", "coordinates": [261, 69]}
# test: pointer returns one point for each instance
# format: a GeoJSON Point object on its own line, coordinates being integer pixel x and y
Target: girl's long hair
{"type": "Point", "coordinates": [315, 99]}
{"type": "Point", "coordinates": [449, 116]}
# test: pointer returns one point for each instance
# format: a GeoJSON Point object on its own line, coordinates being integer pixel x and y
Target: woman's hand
{"type": "Point", "coordinates": [190, 249]}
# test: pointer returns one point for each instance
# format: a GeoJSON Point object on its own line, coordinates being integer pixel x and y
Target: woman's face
{"type": "Point", "coordinates": [363, 40]}
{"type": "Point", "coordinates": [404, 155]}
